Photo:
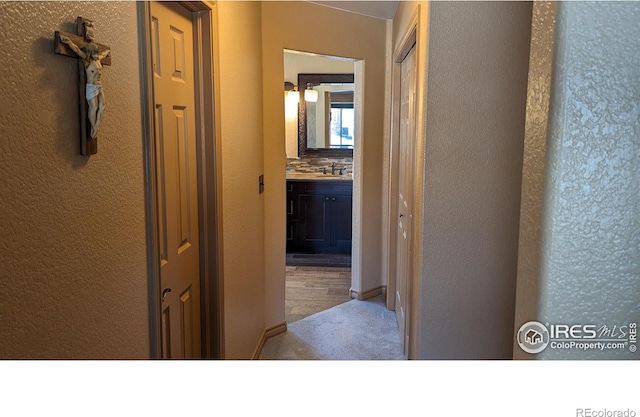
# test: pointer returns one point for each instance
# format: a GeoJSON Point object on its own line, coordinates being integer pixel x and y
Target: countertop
{"type": "Point", "coordinates": [317, 176]}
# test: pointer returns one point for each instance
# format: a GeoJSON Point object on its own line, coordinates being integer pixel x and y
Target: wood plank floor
{"type": "Point", "coordinates": [319, 259]}
{"type": "Point", "coordinates": [311, 289]}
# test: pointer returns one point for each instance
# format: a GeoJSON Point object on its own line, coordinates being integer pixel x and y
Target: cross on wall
{"type": "Point", "coordinates": [91, 57]}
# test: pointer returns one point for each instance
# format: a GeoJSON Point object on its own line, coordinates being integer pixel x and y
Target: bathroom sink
{"type": "Point", "coordinates": [317, 175]}
{"type": "Point", "coordinates": [321, 175]}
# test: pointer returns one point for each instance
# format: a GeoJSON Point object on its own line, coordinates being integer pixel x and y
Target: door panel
{"type": "Point", "coordinates": [176, 170]}
{"type": "Point", "coordinates": [161, 186]}
{"type": "Point", "coordinates": [406, 146]}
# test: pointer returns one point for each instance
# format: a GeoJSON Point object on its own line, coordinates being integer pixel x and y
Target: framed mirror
{"type": "Point", "coordinates": [326, 126]}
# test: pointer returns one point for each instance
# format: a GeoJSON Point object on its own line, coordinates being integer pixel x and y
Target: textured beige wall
{"type": "Point", "coordinates": [590, 264]}
{"type": "Point", "coordinates": [73, 280]}
{"type": "Point", "coordinates": [475, 118]}
{"type": "Point", "coordinates": [535, 151]}
{"type": "Point", "coordinates": [240, 128]}
{"type": "Point", "coordinates": [354, 36]}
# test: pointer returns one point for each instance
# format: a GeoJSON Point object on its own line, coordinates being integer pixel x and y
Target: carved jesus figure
{"type": "Point", "coordinates": [93, 68]}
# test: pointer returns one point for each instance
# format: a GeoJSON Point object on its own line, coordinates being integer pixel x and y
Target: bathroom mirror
{"type": "Point", "coordinates": [326, 127]}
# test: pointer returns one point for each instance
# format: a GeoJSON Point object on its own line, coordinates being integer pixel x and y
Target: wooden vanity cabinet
{"type": "Point", "coordinates": [319, 216]}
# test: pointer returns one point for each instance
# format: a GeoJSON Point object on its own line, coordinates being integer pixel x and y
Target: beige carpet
{"type": "Point", "coordinates": [356, 330]}
{"type": "Point", "coordinates": [324, 323]}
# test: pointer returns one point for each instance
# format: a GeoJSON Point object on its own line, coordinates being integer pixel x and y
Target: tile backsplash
{"type": "Point", "coordinates": [316, 164]}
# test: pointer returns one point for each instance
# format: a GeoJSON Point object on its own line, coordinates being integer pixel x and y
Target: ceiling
{"type": "Point", "coordinates": [379, 9]}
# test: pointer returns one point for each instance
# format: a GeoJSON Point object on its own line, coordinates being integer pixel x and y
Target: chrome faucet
{"type": "Point", "coordinates": [333, 168]}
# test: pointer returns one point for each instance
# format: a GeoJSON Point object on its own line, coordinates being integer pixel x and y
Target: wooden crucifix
{"type": "Point", "coordinates": [92, 57]}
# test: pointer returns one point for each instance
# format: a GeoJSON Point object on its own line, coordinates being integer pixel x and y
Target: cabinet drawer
{"type": "Point", "coordinates": [327, 187]}
{"type": "Point", "coordinates": [292, 186]}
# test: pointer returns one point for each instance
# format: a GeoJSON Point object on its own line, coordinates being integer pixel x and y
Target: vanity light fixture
{"type": "Point", "coordinates": [293, 95]}
{"type": "Point", "coordinates": [311, 95]}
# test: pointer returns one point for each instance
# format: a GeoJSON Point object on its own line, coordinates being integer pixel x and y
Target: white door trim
{"type": "Point", "coordinates": [209, 189]}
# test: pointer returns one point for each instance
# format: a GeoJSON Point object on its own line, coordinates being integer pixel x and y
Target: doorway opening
{"type": "Point", "coordinates": [321, 134]}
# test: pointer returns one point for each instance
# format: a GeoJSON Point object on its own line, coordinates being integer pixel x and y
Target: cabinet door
{"type": "Point", "coordinates": [292, 236]}
{"type": "Point", "coordinates": [292, 201]}
{"type": "Point", "coordinates": [313, 227]}
{"type": "Point", "coordinates": [340, 218]}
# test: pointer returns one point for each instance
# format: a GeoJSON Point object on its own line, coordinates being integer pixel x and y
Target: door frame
{"type": "Point", "coordinates": [209, 177]}
{"type": "Point", "coordinates": [409, 40]}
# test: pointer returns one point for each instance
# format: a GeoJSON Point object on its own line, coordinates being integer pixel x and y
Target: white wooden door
{"type": "Point", "coordinates": [177, 193]}
{"type": "Point", "coordinates": [406, 146]}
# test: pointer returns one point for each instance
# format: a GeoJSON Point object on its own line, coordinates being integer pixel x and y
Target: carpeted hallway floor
{"type": "Point", "coordinates": [355, 330]}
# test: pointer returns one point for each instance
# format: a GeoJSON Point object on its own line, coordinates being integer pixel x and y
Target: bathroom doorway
{"type": "Point", "coordinates": [319, 174]}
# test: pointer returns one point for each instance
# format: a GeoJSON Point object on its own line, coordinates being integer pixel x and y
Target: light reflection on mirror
{"type": "Point", "coordinates": [341, 119]}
